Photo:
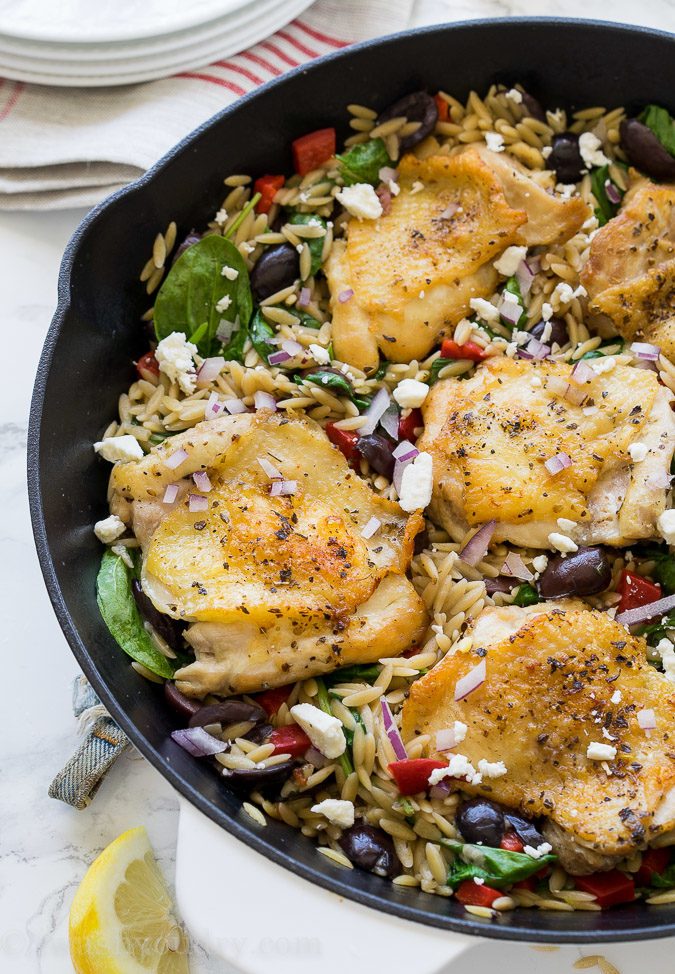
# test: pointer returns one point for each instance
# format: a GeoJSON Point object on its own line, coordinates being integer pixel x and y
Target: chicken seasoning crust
{"type": "Point", "coordinates": [390, 510]}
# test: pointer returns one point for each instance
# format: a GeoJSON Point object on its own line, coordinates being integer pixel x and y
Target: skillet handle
{"type": "Point", "coordinates": [260, 917]}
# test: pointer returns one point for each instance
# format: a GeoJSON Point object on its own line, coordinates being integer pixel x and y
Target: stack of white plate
{"type": "Point", "coordinates": [117, 42]}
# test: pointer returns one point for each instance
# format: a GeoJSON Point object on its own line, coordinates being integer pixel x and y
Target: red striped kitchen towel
{"type": "Point", "coordinates": [62, 147]}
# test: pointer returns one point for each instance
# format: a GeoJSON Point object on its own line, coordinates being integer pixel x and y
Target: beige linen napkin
{"type": "Point", "coordinates": [62, 147]}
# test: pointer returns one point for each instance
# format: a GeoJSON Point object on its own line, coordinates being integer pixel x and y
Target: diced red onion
{"type": "Point", "coordinates": [516, 567]}
{"type": "Point", "coordinates": [510, 310]}
{"type": "Point", "coordinates": [234, 407]}
{"type": "Point", "coordinates": [388, 175]}
{"type": "Point", "coordinates": [201, 479]}
{"type": "Point", "coordinates": [345, 295]}
{"type": "Point", "coordinates": [226, 329]}
{"type": "Point", "coordinates": [658, 480]}
{"type": "Point", "coordinates": [557, 463]}
{"type": "Point", "coordinates": [477, 546]}
{"type": "Point", "coordinates": [582, 373]}
{"type": "Point", "coordinates": [613, 195]}
{"type": "Point", "coordinates": [276, 358]}
{"type": "Point", "coordinates": [473, 679]}
{"type": "Point", "coordinates": [170, 494]}
{"type": "Point", "coordinates": [441, 790]}
{"type": "Point", "coordinates": [197, 502]}
{"type": "Point", "coordinates": [449, 211]}
{"type": "Point", "coordinates": [405, 451]}
{"type": "Point", "coordinates": [389, 421]}
{"type": "Point", "coordinates": [397, 476]}
{"type": "Point", "coordinates": [374, 412]}
{"type": "Point", "coordinates": [305, 295]}
{"type": "Point", "coordinates": [197, 742]}
{"type": "Point", "coordinates": [559, 387]}
{"type": "Point", "coordinates": [264, 400]}
{"type": "Point", "coordinates": [176, 459]}
{"type": "Point", "coordinates": [316, 758]}
{"type": "Point", "coordinates": [270, 469]}
{"type": "Point", "coordinates": [446, 739]}
{"type": "Point", "coordinates": [209, 370]}
{"type": "Point", "coordinates": [646, 719]}
{"type": "Point", "coordinates": [373, 525]}
{"type": "Point", "coordinates": [213, 406]}
{"type": "Point", "coordinates": [384, 196]}
{"type": "Point", "coordinates": [535, 350]}
{"type": "Point", "coordinates": [281, 488]}
{"type": "Point", "coordinates": [392, 732]}
{"type": "Point", "coordinates": [524, 276]}
{"type": "Point", "coordinates": [650, 353]}
{"type": "Point", "coordinates": [646, 612]}
{"type": "Point", "coordinates": [534, 264]}
{"type": "Point", "coordinates": [293, 348]}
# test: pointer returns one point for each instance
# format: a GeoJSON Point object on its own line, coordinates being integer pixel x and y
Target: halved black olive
{"type": "Point", "coordinates": [417, 107]}
{"type": "Point", "coordinates": [371, 849]}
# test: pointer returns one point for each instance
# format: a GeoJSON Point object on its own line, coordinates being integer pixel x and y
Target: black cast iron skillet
{"type": "Point", "coordinates": [95, 334]}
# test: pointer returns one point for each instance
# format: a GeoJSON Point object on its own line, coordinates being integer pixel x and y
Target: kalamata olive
{"type": "Point", "coordinates": [268, 781]}
{"type": "Point", "coordinates": [377, 451]}
{"type": "Point", "coordinates": [480, 820]}
{"type": "Point", "coordinates": [566, 159]}
{"type": "Point", "coordinates": [421, 540]}
{"type": "Point", "coordinates": [184, 706]}
{"type": "Point", "coordinates": [370, 848]}
{"type": "Point", "coordinates": [417, 107]}
{"type": "Point", "coordinates": [171, 630]}
{"type": "Point", "coordinates": [645, 151]}
{"type": "Point", "coordinates": [499, 584]}
{"type": "Point", "coordinates": [524, 829]}
{"type": "Point", "coordinates": [227, 712]}
{"type": "Point", "coordinates": [533, 107]}
{"type": "Point", "coordinates": [259, 733]}
{"type": "Point", "coordinates": [586, 572]}
{"type": "Point", "coordinates": [276, 268]}
{"type": "Point", "coordinates": [559, 334]}
{"type": "Point", "coordinates": [192, 238]}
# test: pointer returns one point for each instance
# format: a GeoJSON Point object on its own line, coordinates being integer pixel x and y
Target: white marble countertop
{"type": "Point", "coordinates": [45, 846]}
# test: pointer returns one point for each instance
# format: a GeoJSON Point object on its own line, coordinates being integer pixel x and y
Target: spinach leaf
{"type": "Point", "coordinates": [605, 209]}
{"type": "Point", "coordinates": [496, 866]}
{"type": "Point", "coordinates": [121, 616]}
{"type": "Point", "coordinates": [334, 381]}
{"type": "Point", "coordinates": [316, 243]}
{"type": "Point", "coordinates": [664, 567]}
{"type": "Point", "coordinates": [306, 320]}
{"type": "Point", "coordinates": [363, 162]}
{"type": "Point", "coordinates": [609, 347]}
{"type": "Point", "coordinates": [352, 674]}
{"type": "Point", "coordinates": [260, 330]}
{"type": "Point", "coordinates": [324, 704]}
{"type": "Point", "coordinates": [656, 631]}
{"type": "Point", "coordinates": [234, 350]}
{"type": "Point", "coordinates": [187, 300]}
{"type": "Point", "coordinates": [661, 124]}
{"type": "Point", "coordinates": [437, 366]}
{"type": "Point", "coordinates": [381, 370]}
{"type": "Point", "coordinates": [513, 287]}
{"type": "Point", "coordinates": [664, 880]}
{"type": "Point", "coordinates": [526, 595]}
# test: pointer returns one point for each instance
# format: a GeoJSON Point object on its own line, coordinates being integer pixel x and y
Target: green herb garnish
{"type": "Point", "coordinates": [497, 867]}
{"type": "Point", "coordinates": [363, 162]}
{"type": "Point", "coordinates": [526, 595]}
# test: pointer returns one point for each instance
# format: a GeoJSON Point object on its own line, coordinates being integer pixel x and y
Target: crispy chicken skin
{"type": "Point", "coordinates": [490, 436]}
{"type": "Point", "coordinates": [415, 269]}
{"type": "Point", "coordinates": [558, 680]}
{"type": "Point", "coordinates": [630, 273]}
{"type": "Point", "coordinates": [277, 587]}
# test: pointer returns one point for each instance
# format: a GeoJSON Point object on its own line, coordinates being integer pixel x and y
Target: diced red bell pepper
{"type": "Point", "coordinates": [147, 363]}
{"type": "Point", "coordinates": [529, 884]}
{"type": "Point", "coordinates": [476, 894]}
{"type": "Point", "coordinates": [290, 739]}
{"type": "Point", "coordinates": [407, 426]}
{"type": "Point", "coordinates": [345, 441]}
{"type": "Point", "coordinates": [469, 350]}
{"type": "Point", "coordinates": [443, 109]}
{"type": "Point", "coordinates": [267, 186]}
{"type": "Point", "coordinates": [636, 591]}
{"type": "Point", "coordinates": [412, 774]}
{"type": "Point", "coordinates": [511, 842]}
{"type": "Point", "coordinates": [271, 700]}
{"type": "Point", "coordinates": [609, 888]}
{"type": "Point", "coordinates": [653, 861]}
{"type": "Point", "coordinates": [311, 150]}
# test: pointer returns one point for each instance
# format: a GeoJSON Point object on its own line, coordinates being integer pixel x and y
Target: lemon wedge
{"type": "Point", "coordinates": [121, 920]}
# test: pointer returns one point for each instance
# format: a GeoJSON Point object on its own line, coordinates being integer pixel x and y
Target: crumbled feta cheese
{"type": "Point", "coordinates": [511, 350]}
{"type": "Point", "coordinates": [459, 766]}
{"type": "Point", "coordinates": [361, 201]}
{"type": "Point", "coordinates": [115, 448]}
{"type": "Point", "coordinates": [122, 552]}
{"type": "Point", "coordinates": [600, 752]}
{"type": "Point", "coordinates": [410, 394]}
{"type": "Point", "coordinates": [562, 543]}
{"type": "Point", "coordinates": [319, 354]}
{"type": "Point", "coordinates": [546, 333]}
{"type": "Point", "coordinates": [460, 730]}
{"type": "Point", "coordinates": [515, 96]}
{"type": "Point", "coordinates": [546, 151]}
{"type": "Point", "coordinates": [590, 151]}
{"type": "Point", "coordinates": [546, 311]}
{"type": "Point", "coordinates": [535, 381]}
{"type": "Point", "coordinates": [337, 811]}
{"type": "Point", "coordinates": [417, 482]}
{"type": "Point", "coordinates": [478, 881]}
{"type": "Point", "coordinates": [538, 851]}
{"type": "Point", "coordinates": [604, 364]}
{"type": "Point", "coordinates": [394, 187]}
{"type": "Point", "coordinates": [616, 697]}
{"type": "Point", "coordinates": [109, 529]}
{"type": "Point", "coordinates": [607, 735]}
{"type": "Point", "coordinates": [540, 562]}
{"type": "Point", "coordinates": [221, 217]}
{"type": "Point", "coordinates": [562, 294]}
{"type": "Point", "coordinates": [174, 356]}
{"type": "Point", "coordinates": [580, 292]}
{"type": "Point", "coordinates": [510, 260]}
{"type": "Point", "coordinates": [230, 273]}
{"type": "Point", "coordinates": [486, 311]}
{"type": "Point", "coordinates": [421, 295]}
{"type": "Point", "coordinates": [416, 187]}
{"type": "Point", "coordinates": [565, 190]}
{"type": "Point", "coordinates": [494, 141]}
{"type": "Point", "coordinates": [638, 451]}
{"type": "Point", "coordinates": [666, 650]}
{"type": "Point", "coordinates": [565, 524]}
{"type": "Point", "coordinates": [666, 525]}
{"type": "Point", "coordinates": [491, 769]}
{"type": "Point", "coordinates": [324, 731]}
{"type": "Point", "coordinates": [223, 304]}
